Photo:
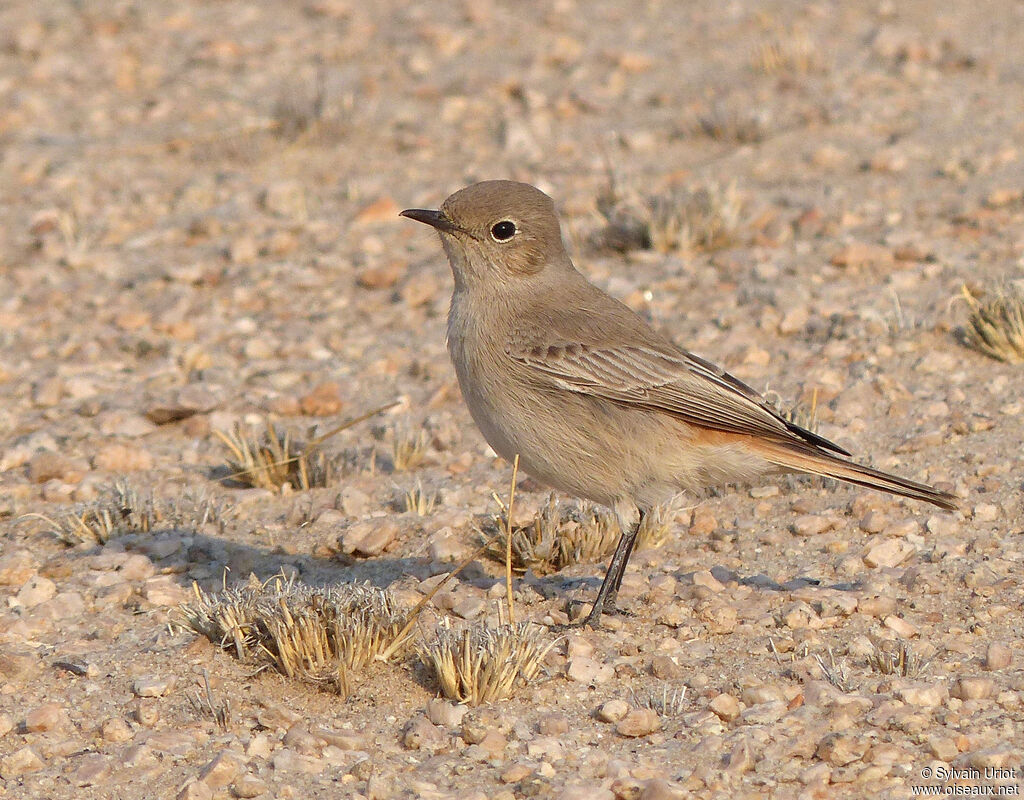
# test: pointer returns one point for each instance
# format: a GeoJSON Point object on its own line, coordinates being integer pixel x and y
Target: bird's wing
{"type": "Point", "coordinates": [672, 381]}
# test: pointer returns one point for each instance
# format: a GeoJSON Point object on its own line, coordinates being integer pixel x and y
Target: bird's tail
{"type": "Point", "coordinates": [816, 462]}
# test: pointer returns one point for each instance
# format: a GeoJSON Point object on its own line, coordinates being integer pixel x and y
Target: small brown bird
{"type": "Point", "coordinates": [595, 402]}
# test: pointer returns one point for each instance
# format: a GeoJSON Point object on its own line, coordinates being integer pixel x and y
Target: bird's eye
{"type": "Point", "coordinates": [503, 231]}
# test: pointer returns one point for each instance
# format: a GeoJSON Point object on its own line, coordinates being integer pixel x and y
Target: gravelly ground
{"type": "Point", "coordinates": [198, 219]}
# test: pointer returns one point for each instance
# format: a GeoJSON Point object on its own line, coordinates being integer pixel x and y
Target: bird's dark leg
{"type": "Point", "coordinates": [613, 577]}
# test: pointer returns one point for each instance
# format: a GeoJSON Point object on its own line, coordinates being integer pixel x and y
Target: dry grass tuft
{"type": "Point", "coordinates": [480, 664]}
{"type": "Point", "coordinates": [556, 538]}
{"type": "Point", "coordinates": [420, 501]}
{"type": "Point", "coordinates": [316, 634]}
{"type": "Point", "coordinates": [706, 217]}
{"type": "Point", "coordinates": [274, 460]}
{"type": "Point", "coordinates": [725, 122]}
{"type": "Point", "coordinates": [897, 658]}
{"type": "Point", "coordinates": [835, 672]}
{"type": "Point", "coordinates": [409, 448]}
{"type": "Point", "coordinates": [789, 51]}
{"type": "Point", "coordinates": [996, 327]}
{"type": "Point", "coordinates": [670, 703]}
{"type": "Point", "coordinates": [122, 509]}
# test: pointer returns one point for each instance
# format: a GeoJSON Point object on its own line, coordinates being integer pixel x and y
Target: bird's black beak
{"type": "Point", "coordinates": [434, 219]}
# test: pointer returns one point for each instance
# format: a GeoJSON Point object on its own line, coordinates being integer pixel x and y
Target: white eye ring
{"type": "Point", "coordinates": [504, 230]}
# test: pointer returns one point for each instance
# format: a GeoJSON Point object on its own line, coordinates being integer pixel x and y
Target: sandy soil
{"type": "Point", "coordinates": [198, 227]}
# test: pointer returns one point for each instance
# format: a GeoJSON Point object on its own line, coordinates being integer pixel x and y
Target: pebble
{"type": "Point", "coordinates": [93, 768]}
{"type": "Point", "coordinates": [35, 590]}
{"type": "Point", "coordinates": [985, 512]}
{"type": "Point", "coordinates": [323, 401]}
{"type": "Point", "coordinates": [900, 626]}
{"type": "Point", "coordinates": [121, 458]}
{"type": "Point", "coordinates": [554, 724]}
{"type": "Point", "coordinates": [368, 538]}
{"type": "Point", "coordinates": [587, 670]}
{"type": "Point", "coordinates": [840, 749]}
{"type": "Point", "coordinates": [147, 712]}
{"type": "Point", "coordinates": [116, 729]}
{"type": "Point", "coordinates": [923, 695]}
{"type": "Point", "coordinates": [997, 656]}
{"type": "Point", "coordinates": [725, 706]}
{"type": "Point", "coordinates": [164, 591]}
{"type": "Point", "coordinates": [974, 688]}
{"type": "Point", "coordinates": [420, 733]}
{"type": "Point", "coordinates": [249, 786]}
{"type": "Point", "coordinates": [195, 790]}
{"type": "Point", "coordinates": [704, 578]}
{"type": "Point", "coordinates": [286, 760]}
{"type": "Point", "coordinates": [639, 722]}
{"type": "Point", "coordinates": [20, 762]}
{"type": "Point", "coordinates": [889, 553]}
{"type": "Point", "coordinates": [17, 567]}
{"type": "Point", "coordinates": [221, 770]}
{"type": "Point", "coordinates": [6, 724]}
{"type": "Point", "coordinates": [47, 717]}
{"type": "Point", "coordinates": [445, 713]}
{"type": "Point", "coordinates": [811, 524]}
{"type": "Point", "coordinates": [613, 710]}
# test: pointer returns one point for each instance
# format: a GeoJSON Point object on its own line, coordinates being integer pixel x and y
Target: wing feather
{"type": "Point", "coordinates": [671, 381]}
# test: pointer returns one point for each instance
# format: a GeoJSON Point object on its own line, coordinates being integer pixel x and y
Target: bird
{"type": "Point", "coordinates": [592, 399]}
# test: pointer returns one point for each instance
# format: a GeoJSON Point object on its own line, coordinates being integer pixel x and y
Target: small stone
{"type": "Point", "coordinates": [48, 393]}
{"type": "Point", "coordinates": [299, 739]}
{"type": "Point", "coordinates": [221, 770]}
{"type": "Point", "coordinates": [17, 567]}
{"type": "Point", "coordinates": [704, 578]}
{"type": "Point", "coordinates": [811, 524]}
{"type": "Point", "coordinates": [664, 667]}
{"type": "Point", "coordinates": [997, 656]}
{"type": "Point", "coordinates": [116, 729]}
{"type": "Point", "coordinates": [287, 760]}
{"type": "Point", "coordinates": [20, 762]}
{"type": "Point", "coordinates": [286, 198]}
{"type": "Point", "coordinates": [858, 255]}
{"type": "Point", "coordinates": [420, 734]}
{"type": "Point", "coordinates": [985, 512]}
{"type": "Point", "coordinates": [704, 522]}
{"type": "Point", "coordinates": [765, 713]}
{"type": "Point", "coordinates": [553, 724]}
{"type": "Point", "coordinates": [120, 458]}
{"type": "Point", "coordinates": [164, 591]}
{"type": "Point", "coordinates": [147, 712]}
{"type": "Point", "coordinates": [92, 769]}
{"type": "Point", "coordinates": [658, 789]}
{"type": "Point", "coordinates": [613, 710]}
{"type": "Point", "coordinates": [794, 321]}
{"type": "Point", "coordinates": [974, 688]}
{"type": "Point", "coordinates": [587, 670]}
{"type": "Point", "coordinates": [639, 722]}
{"type": "Point", "coordinates": [900, 626]}
{"type": "Point", "coordinates": [516, 773]}
{"type": "Point", "coordinates": [47, 717]}
{"type": "Point", "coordinates": [879, 606]}
{"type": "Point", "coordinates": [36, 590]}
{"type": "Point", "coordinates": [445, 713]}
{"type": "Point", "coordinates": [873, 522]}
{"type": "Point", "coordinates": [923, 695]}
{"type": "Point", "coordinates": [840, 749]}
{"type": "Point", "coordinates": [6, 724]}
{"type": "Point", "coordinates": [889, 553]}
{"type": "Point", "coordinates": [725, 706]}
{"type": "Point", "coordinates": [368, 538]}
{"type": "Point", "coordinates": [493, 743]}
{"type": "Point", "coordinates": [943, 747]}
{"type": "Point", "coordinates": [383, 209]}
{"type": "Point", "coordinates": [195, 790]}
{"type": "Point", "coordinates": [382, 276]}
{"type": "Point", "coordinates": [45, 466]}
{"type": "Point", "coordinates": [323, 401]}
{"type": "Point", "coordinates": [249, 786]}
